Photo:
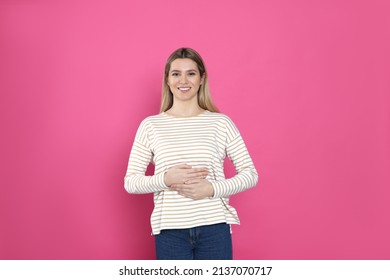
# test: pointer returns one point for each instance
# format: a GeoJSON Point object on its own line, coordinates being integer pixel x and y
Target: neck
{"type": "Point", "coordinates": [185, 109]}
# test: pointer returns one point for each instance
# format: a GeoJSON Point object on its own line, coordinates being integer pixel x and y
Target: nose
{"type": "Point", "coordinates": [183, 79]}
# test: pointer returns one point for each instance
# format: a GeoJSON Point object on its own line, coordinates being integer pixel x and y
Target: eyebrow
{"type": "Point", "coordinates": [190, 70]}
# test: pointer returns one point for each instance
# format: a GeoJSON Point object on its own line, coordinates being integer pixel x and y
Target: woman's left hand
{"type": "Point", "coordinates": [195, 189]}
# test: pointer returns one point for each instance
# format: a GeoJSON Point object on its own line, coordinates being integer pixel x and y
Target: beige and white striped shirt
{"type": "Point", "coordinates": [200, 141]}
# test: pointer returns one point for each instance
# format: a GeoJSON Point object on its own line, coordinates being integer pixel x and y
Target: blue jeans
{"type": "Point", "coordinates": [212, 242]}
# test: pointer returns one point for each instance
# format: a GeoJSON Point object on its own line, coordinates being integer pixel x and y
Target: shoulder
{"type": "Point", "coordinates": [147, 124]}
{"type": "Point", "coordinates": [217, 115]}
{"type": "Point", "coordinates": [151, 119]}
{"type": "Point", "coordinates": [226, 125]}
{"type": "Point", "coordinates": [221, 118]}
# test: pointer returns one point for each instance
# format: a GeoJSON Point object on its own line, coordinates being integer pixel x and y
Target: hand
{"type": "Point", "coordinates": [182, 173]}
{"type": "Point", "coordinates": [195, 189]}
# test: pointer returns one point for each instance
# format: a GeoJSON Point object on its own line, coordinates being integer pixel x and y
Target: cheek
{"type": "Point", "coordinates": [172, 80]}
{"type": "Point", "coordinates": [197, 82]}
{"type": "Point", "coordinates": [172, 85]}
{"type": "Point", "coordinates": [194, 80]}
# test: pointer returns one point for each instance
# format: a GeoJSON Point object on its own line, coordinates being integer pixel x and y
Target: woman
{"type": "Point", "coordinates": [187, 142]}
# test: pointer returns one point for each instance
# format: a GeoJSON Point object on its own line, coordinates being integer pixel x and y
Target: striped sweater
{"type": "Point", "coordinates": [200, 141]}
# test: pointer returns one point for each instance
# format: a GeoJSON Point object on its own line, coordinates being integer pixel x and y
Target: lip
{"type": "Point", "coordinates": [184, 89]}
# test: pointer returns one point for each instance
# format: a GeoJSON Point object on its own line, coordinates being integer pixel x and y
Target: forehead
{"type": "Point", "coordinates": [183, 64]}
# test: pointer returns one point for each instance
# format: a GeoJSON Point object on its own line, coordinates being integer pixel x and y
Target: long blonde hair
{"type": "Point", "coordinates": [204, 97]}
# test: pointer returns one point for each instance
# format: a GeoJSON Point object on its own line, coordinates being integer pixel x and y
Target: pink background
{"type": "Point", "coordinates": [306, 82]}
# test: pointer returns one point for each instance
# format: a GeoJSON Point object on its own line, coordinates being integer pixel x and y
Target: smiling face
{"type": "Point", "coordinates": [184, 80]}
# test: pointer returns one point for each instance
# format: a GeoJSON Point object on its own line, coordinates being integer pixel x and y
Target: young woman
{"type": "Point", "coordinates": [187, 142]}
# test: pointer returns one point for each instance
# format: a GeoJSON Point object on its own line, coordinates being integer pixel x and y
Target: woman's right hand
{"type": "Point", "coordinates": [179, 174]}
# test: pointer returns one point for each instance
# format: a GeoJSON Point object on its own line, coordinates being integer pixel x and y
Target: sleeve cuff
{"type": "Point", "coordinates": [160, 181]}
{"type": "Point", "coordinates": [218, 187]}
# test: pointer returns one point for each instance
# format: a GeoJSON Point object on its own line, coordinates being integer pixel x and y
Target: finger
{"type": "Point", "coordinates": [190, 194]}
{"type": "Point", "coordinates": [198, 175]}
{"type": "Point", "coordinates": [197, 178]}
{"type": "Point", "coordinates": [186, 192]}
{"type": "Point", "coordinates": [182, 192]}
{"type": "Point", "coordinates": [198, 170]}
{"type": "Point", "coordinates": [182, 187]}
{"type": "Point", "coordinates": [177, 187]}
{"type": "Point", "coordinates": [183, 166]}
{"type": "Point", "coordinates": [188, 183]}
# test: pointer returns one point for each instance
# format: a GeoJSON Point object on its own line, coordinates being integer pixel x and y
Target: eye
{"type": "Point", "coordinates": [175, 74]}
{"type": "Point", "coordinates": [192, 73]}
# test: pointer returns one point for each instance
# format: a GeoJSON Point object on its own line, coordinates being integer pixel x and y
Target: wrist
{"type": "Point", "coordinates": [211, 190]}
{"type": "Point", "coordinates": [166, 181]}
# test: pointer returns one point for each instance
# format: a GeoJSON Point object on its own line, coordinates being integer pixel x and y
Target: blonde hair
{"type": "Point", "coordinates": [204, 97]}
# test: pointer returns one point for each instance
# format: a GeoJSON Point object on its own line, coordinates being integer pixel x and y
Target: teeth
{"type": "Point", "coordinates": [184, 88]}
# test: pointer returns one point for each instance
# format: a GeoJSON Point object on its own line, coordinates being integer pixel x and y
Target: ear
{"type": "Point", "coordinates": [202, 79]}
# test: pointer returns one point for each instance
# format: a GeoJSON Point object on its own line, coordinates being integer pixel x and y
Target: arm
{"type": "Point", "coordinates": [246, 176]}
{"type": "Point", "coordinates": [246, 173]}
{"type": "Point", "coordinates": [140, 156]}
{"type": "Point", "coordinates": [135, 180]}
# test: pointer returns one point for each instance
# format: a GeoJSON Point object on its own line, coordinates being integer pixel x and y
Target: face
{"type": "Point", "coordinates": [184, 79]}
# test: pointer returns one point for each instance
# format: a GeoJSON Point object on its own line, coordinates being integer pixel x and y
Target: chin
{"type": "Point", "coordinates": [185, 96]}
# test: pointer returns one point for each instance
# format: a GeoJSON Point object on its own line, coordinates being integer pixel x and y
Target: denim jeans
{"type": "Point", "coordinates": [211, 242]}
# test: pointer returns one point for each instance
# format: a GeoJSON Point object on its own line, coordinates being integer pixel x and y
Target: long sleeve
{"type": "Point", "coordinates": [246, 176]}
{"type": "Point", "coordinates": [140, 156]}
{"type": "Point", "coordinates": [204, 141]}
